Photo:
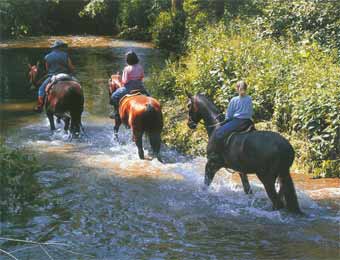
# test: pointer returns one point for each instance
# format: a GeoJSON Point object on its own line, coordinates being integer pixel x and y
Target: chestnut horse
{"type": "Point", "coordinates": [265, 153]}
{"type": "Point", "coordinates": [142, 114]}
{"type": "Point", "coordinates": [63, 98]}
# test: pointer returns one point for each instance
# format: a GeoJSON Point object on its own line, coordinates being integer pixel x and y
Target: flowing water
{"type": "Point", "coordinates": [96, 197]}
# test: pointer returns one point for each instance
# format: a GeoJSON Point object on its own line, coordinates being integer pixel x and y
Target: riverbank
{"type": "Point", "coordinates": [73, 41]}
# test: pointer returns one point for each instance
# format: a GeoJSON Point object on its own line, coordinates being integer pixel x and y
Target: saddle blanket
{"type": "Point", "coordinates": [59, 77]}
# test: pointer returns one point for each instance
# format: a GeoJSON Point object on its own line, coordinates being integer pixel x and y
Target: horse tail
{"type": "Point", "coordinates": [153, 122]}
{"type": "Point", "coordinates": [287, 190]}
{"type": "Point", "coordinates": [76, 108]}
{"type": "Point", "coordinates": [149, 108]}
{"type": "Point", "coordinates": [153, 119]}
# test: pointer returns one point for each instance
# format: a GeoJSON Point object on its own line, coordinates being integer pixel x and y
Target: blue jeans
{"type": "Point", "coordinates": [235, 124]}
{"type": "Point", "coordinates": [42, 87]}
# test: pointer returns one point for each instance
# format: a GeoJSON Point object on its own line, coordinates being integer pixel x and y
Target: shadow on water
{"type": "Point", "coordinates": [100, 199]}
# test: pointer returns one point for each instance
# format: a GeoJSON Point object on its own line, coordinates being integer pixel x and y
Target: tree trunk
{"type": "Point", "coordinates": [219, 8]}
{"type": "Point", "coordinates": [177, 5]}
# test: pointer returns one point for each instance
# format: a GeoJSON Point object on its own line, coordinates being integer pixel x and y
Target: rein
{"type": "Point", "coordinates": [208, 126]}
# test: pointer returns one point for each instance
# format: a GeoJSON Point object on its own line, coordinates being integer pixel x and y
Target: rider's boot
{"type": "Point", "coordinates": [40, 105]}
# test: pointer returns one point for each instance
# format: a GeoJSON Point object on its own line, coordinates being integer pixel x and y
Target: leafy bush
{"type": "Point", "coordinates": [302, 19]}
{"type": "Point", "coordinates": [168, 31]}
{"type": "Point", "coordinates": [296, 85]}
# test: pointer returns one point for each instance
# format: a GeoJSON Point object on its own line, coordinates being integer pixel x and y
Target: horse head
{"type": "Point", "coordinates": [193, 111]}
{"type": "Point", "coordinates": [114, 83]}
{"type": "Point", "coordinates": [202, 108]}
{"type": "Point", "coordinates": [35, 74]}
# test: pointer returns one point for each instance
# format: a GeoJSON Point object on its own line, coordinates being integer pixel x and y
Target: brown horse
{"type": "Point", "coordinates": [141, 114]}
{"type": "Point", "coordinates": [63, 98]}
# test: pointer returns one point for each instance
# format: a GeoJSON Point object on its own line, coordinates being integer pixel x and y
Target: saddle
{"type": "Point", "coordinates": [57, 78]}
{"type": "Point", "coordinates": [249, 129]}
{"type": "Point", "coordinates": [132, 93]}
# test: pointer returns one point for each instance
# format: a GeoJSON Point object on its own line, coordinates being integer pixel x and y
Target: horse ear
{"type": "Point", "coordinates": [189, 95]}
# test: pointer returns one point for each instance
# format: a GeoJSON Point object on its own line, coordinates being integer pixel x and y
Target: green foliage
{"type": "Point", "coordinates": [162, 82]}
{"type": "Point", "coordinates": [168, 31]}
{"type": "Point", "coordinates": [18, 186]}
{"type": "Point", "coordinates": [133, 14]}
{"type": "Point", "coordinates": [19, 18]}
{"type": "Point", "coordinates": [93, 8]}
{"type": "Point", "coordinates": [317, 20]}
{"type": "Point", "coordinates": [295, 85]}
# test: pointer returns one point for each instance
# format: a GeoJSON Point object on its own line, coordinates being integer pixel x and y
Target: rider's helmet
{"type": "Point", "coordinates": [58, 44]}
{"type": "Point", "coordinates": [131, 58]}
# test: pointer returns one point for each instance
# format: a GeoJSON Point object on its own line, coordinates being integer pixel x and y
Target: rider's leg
{"type": "Point", "coordinates": [116, 96]}
{"type": "Point", "coordinates": [223, 131]}
{"type": "Point", "coordinates": [136, 85]}
{"type": "Point", "coordinates": [41, 94]}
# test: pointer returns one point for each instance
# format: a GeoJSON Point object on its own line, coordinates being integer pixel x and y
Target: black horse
{"type": "Point", "coordinates": [265, 153]}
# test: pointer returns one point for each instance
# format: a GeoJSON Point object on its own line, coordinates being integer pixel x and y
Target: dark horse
{"type": "Point", "coordinates": [63, 98]}
{"type": "Point", "coordinates": [265, 153]}
{"type": "Point", "coordinates": [141, 114]}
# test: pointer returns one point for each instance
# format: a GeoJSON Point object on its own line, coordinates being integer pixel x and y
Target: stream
{"type": "Point", "coordinates": [96, 196]}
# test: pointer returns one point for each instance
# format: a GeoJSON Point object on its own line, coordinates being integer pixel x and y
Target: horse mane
{"type": "Point", "coordinates": [210, 106]}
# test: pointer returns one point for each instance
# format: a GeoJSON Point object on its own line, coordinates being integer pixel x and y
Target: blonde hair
{"type": "Point", "coordinates": [241, 87]}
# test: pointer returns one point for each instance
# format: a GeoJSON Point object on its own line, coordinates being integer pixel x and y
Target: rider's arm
{"type": "Point", "coordinates": [125, 76]}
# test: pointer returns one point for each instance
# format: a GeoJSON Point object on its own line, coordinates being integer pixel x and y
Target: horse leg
{"type": "Point", "coordinates": [287, 190]}
{"type": "Point", "coordinates": [269, 185]}
{"type": "Point", "coordinates": [51, 119]}
{"type": "Point", "coordinates": [155, 142]}
{"type": "Point", "coordinates": [210, 170]}
{"type": "Point", "coordinates": [138, 138]}
{"type": "Point", "coordinates": [245, 183]}
{"type": "Point", "coordinates": [67, 123]}
{"type": "Point", "coordinates": [116, 128]}
{"type": "Point", "coordinates": [75, 121]}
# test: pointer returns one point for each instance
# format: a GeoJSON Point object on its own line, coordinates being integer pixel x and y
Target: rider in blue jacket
{"type": "Point", "coordinates": [57, 61]}
{"type": "Point", "coordinates": [239, 113]}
